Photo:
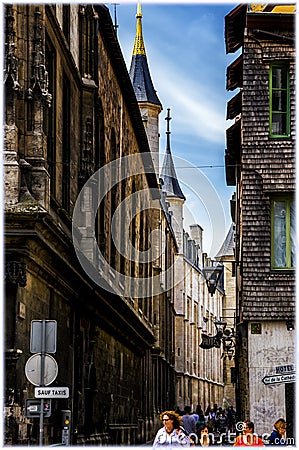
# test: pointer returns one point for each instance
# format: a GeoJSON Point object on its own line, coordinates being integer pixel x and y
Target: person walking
{"type": "Point", "coordinates": [171, 433]}
{"type": "Point", "coordinates": [199, 410]}
{"type": "Point", "coordinates": [222, 423]}
{"type": "Point", "coordinates": [201, 421]}
{"type": "Point", "coordinates": [210, 419]}
{"type": "Point", "coordinates": [231, 415]}
{"type": "Point", "coordinates": [278, 435]}
{"type": "Point", "coordinates": [189, 422]}
{"type": "Point", "coordinates": [248, 437]}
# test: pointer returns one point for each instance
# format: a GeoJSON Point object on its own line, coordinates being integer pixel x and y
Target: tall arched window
{"type": "Point", "coordinates": [50, 62]}
{"type": "Point", "coordinates": [133, 235]}
{"type": "Point", "coordinates": [122, 261]}
{"type": "Point", "coordinates": [88, 47]}
{"type": "Point", "coordinates": [113, 199]}
{"type": "Point", "coordinates": [66, 150]}
{"type": "Point", "coordinates": [99, 134]}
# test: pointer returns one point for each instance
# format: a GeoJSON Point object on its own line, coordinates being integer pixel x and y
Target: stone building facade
{"type": "Point", "coordinates": [226, 256]}
{"type": "Point", "coordinates": [198, 371]}
{"type": "Point", "coordinates": [70, 110]}
{"type": "Point", "coordinates": [260, 162]}
{"type": "Point", "coordinates": [165, 244]}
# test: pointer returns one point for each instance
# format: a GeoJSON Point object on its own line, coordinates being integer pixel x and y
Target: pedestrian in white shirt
{"type": "Point", "coordinates": [171, 433]}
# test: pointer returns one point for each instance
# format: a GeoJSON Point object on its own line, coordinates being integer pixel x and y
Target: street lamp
{"type": "Point", "coordinates": [213, 341]}
{"type": "Point", "coordinates": [220, 326]}
{"type": "Point", "coordinates": [212, 275]}
{"type": "Point", "coordinates": [223, 336]}
{"type": "Point", "coordinates": [229, 344]}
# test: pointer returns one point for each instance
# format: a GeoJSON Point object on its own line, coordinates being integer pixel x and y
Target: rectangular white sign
{"type": "Point", "coordinates": [273, 379]}
{"type": "Point", "coordinates": [51, 392]}
{"type": "Point", "coordinates": [49, 327]}
{"type": "Point", "coordinates": [285, 369]}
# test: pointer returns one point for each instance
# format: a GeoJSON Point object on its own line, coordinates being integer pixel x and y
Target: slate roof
{"type": "Point", "coordinates": [141, 80]}
{"type": "Point", "coordinates": [227, 248]}
{"type": "Point", "coordinates": [139, 71]}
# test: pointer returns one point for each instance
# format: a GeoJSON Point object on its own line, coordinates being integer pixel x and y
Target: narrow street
{"type": "Point", "coordinates": [149, 224]}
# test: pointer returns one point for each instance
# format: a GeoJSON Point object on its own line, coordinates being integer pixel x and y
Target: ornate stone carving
{"type": "Point", "coordinates": [10, 60]}
{"type": "Point", "coordinates": [15, 273]}
{"type": "Point", "coordinates": [39, 79]}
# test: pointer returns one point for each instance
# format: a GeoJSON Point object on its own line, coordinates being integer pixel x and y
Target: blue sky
{"type": "Point", "coordinates": [185, 49]}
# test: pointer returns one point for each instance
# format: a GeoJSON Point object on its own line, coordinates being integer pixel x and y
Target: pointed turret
{"type": "Point", "coordinates": [168, 173]}
{"type": "Point", "coordinates": [149, 104]}
{"type": "Point", "coordinates": [139, 71]}
{"type": "Point", "coordinates": [174, 194]}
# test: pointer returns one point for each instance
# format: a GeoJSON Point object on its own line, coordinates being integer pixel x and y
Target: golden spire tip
{"type": "Point", "coordinates": [139, 11]}
{"type": "Point", "coordinates": [138, 44]}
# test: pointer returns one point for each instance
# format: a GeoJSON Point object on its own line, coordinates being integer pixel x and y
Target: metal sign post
{"type": "Point", "coordinates": [41, 369]}
{"type": "Point", "coordinates": [42, 376]}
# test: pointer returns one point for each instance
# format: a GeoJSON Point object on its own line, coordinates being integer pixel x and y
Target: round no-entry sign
{"type": "Point", "coordinates": [33, 370]}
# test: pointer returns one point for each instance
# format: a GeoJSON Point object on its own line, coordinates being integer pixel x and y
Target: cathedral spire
{"type": "Point", "coordinates": [168, 132]}
{"type": "Point", "coordinates": [168, 173]}
{"type": "Point", "coordinates": [139, 48]}
{"type": "Point", "coordinates": [139, 71]}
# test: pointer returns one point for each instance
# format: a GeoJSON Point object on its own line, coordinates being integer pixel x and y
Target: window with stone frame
{"type": "Point", "coordinates": [88, 52]}
{"type": "Point", "coordinates": [50, 112]}
{"type": "Point", "coordinates": [113, 198]}
{"type": "Point", "coordinates": [66, 149]}
{"type": "Point", "coordinates": [279, 98]}
{"type": "Point", "coordinates": [283, 232]}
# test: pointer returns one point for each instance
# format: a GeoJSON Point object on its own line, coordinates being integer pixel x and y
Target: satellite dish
{"type": "Point", "coordinates": [33, 370]}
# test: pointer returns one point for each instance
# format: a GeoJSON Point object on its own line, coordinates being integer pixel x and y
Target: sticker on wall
{"type": "Point", "coordinates": [256, 328]}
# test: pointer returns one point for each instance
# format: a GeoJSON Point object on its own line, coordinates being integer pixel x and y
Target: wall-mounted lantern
{"type": "Point", "coordinates": [212, 275]}
{"type": "Point", "coordinates": [223, 336]}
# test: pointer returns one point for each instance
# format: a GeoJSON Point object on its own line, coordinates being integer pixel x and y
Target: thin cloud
{"type": "Point", "coordinates": [196, 113]}
{"type": "Point", "coordinates": [186, 55]}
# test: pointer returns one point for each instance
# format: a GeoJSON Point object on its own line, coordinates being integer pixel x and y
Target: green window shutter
{"type": "Point", "coordinates": [282, 233]}
{"type": "Point", "coordinates": [279, 98]}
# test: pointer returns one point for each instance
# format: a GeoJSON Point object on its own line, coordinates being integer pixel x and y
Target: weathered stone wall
{"type": "Point", "coordinates": [104, 340]}
{"type": "Point", "coordinates": [264, 355]}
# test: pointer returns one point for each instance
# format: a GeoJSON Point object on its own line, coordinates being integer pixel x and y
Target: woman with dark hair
{"type": "Point", "coordinates": [248, 437]}
{"type": "Point", "coordinates": [171, 433]}
{"type": "Point", "coordinates": [278, 435]}
{"type": "Point", "coordinates": [203, 435]}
